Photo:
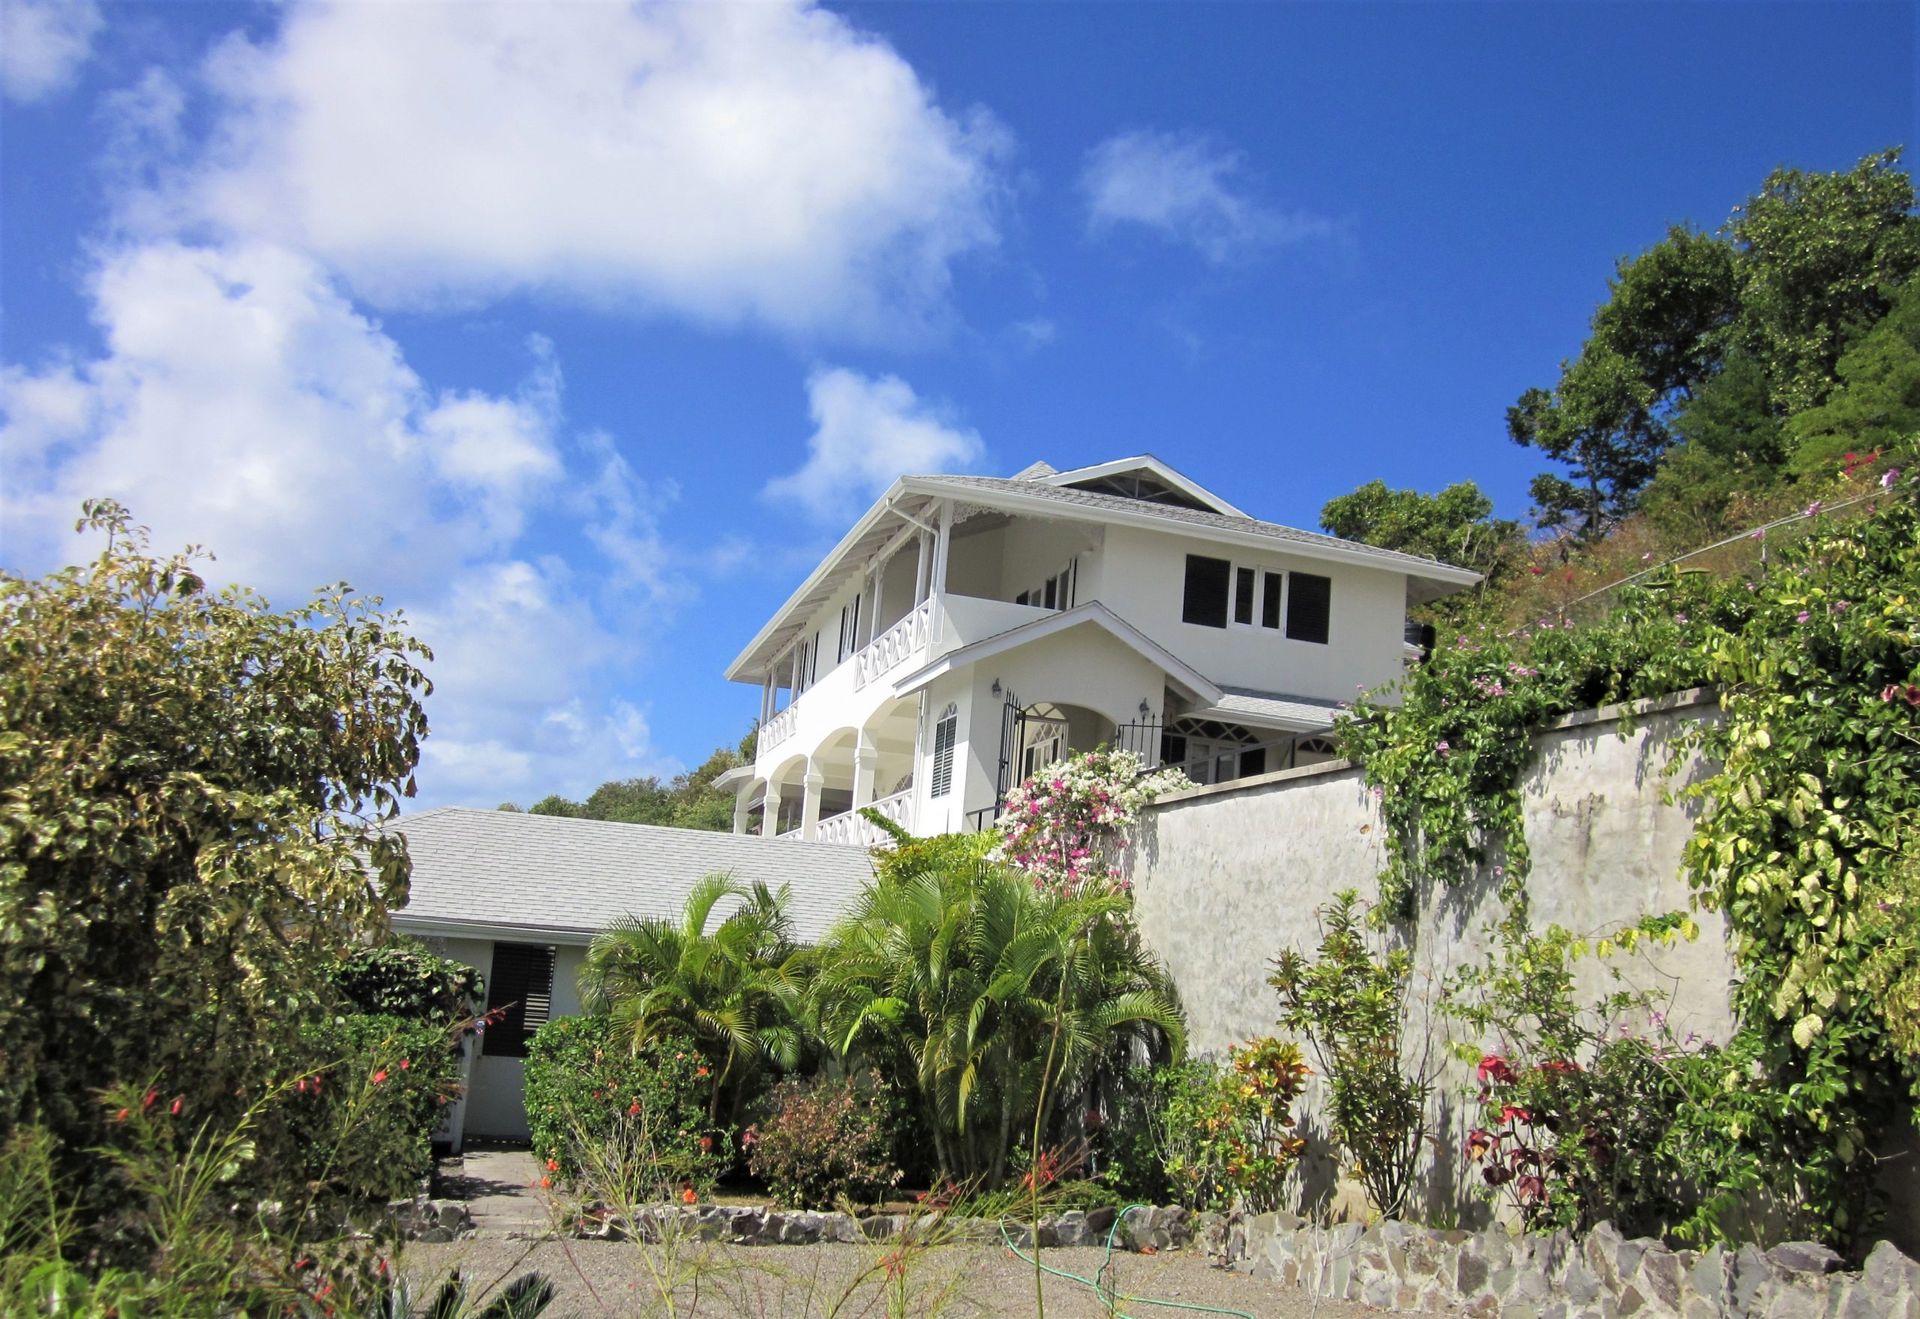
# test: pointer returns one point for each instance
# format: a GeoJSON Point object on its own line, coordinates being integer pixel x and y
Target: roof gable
{"type": "Point", "coordinates": [1142, 477]}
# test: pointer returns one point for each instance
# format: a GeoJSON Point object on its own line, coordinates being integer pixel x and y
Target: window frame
{"type": "Point", "coordinates": [1262, 575]}
{"type": "Point", "coordinates": [939, 774]}
{"type": "Point", "coordinates": [508, 1037]}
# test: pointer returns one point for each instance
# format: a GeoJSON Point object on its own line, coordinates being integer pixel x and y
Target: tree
{"type": "Point", "coordinates": [1654, 338]}
{"type": "Point", "coordinates": [1799, 274]}
{"type": "Point", "coordinates": [191, 792]}
{"type": "Point", "coordinates": [1822, 257]}
{"type": "Point", "coordinates": [1455, 525]}
{"type": "Point", "coordinates": [1877, 405]}
{"type": "Point", "coordinates": [688, 801]}
{"type": "Point", "coordinates": [981, 994]}
{"type": "Point", "coordinates": [1733, 442]}
{"type": "Point", "coordinates": [734, 990]}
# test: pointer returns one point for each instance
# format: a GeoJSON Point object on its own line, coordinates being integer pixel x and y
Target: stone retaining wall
{"type": "Point", "coordinates": [1495, 1275]}
{"type": "Point", "coordinates": [1169, 1228]}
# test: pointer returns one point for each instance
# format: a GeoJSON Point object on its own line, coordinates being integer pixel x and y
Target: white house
{"type": "Point", "coordinates": [970, 629]}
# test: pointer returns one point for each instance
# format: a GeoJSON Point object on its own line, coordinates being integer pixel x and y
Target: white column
{"type": "Point", "coordinates": [793, 683]}
{"type": "Point", "coordinates": [920, 568]}
{"type": "Point", "coordinates": [866, 758]}
{"type": "Point", "coordinates": [770, 813]}
{"type": "Point", "coordinates": [740, 805]}
{"type": "Point", "coordinates": [943, 543]}
{"type": "Point", "coordinates": [810, 806]}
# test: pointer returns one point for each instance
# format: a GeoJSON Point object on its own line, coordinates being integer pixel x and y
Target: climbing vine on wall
{"type": "Point", "coordinates": [1444, 752]}
{"type": "Point", "coordinates": [1807, 846]}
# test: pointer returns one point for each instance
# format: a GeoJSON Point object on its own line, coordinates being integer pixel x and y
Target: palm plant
{"type": "Point", "coordinates": [735, 990]}
{"type": "Point", "coordinates": [985, 996]}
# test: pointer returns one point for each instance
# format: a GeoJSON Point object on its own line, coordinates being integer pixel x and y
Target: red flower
{"type": "Point", "coordinates": [1513, 1111]}
{"type": "Point", "coordinates": [1495, 1067]}
{"type": "Point", "coordinates": [179, 1102]}
{"type": "Point", "coordinates": [706, 1144]}
{"type": "Point", "coordinates": [152, 1098]}
{"type": "Point", "coordinates": [404, 1064]}
{"type": "Point", "coordinates": [700, 1071]}
{"type": "Point", "coordinates": [687, 1196]}
{"type": "Point", "coordinates": [545, 1183]}
{"type": "Point", "coordinates": [379, 1077]}
{"type": "Point", "coordinates": [553, 1165]}
{"type": "Point", "coordinates": [121, 1116]}
{"type": "Point", "coordinates": [633, 1109]}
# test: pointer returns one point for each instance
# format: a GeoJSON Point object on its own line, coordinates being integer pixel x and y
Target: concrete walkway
{"type": "Point", "coordinates": [500, 1189]}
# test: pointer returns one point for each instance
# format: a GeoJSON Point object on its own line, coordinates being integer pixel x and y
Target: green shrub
{"type": "Point", "coordinates": [386, 1082]}
{"type": "Point", "coordinates": [1229, 1131]}
{"type": "Point", "coordinates": [588, 1091]}
{"type": "Point", "coordinates": [403, 978]}
{"type": "Point", "coordinates": [1350, 1004]}
{"type": "Point", "coordinates": [826, 1139]}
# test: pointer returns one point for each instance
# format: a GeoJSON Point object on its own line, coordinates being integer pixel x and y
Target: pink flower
{"type": "Point", "coordinates": [1888, 477]}
{"type": "Point", "coordinates": [1801, 617]}
{"type": "Point", "coordinates": [1442, 747]}
{"type": "Point", "coordinates": [1813, 509]}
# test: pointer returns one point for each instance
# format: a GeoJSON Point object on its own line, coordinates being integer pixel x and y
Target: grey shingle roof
{"type": "Point", "coordinates": [1246, 704]}
{"type": "Point", "coordinates": [560, 876]}
{"type": "Point", "coordinates": [1410, 563]}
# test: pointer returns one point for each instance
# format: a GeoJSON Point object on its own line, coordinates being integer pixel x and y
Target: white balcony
{"type": "Point", "coordinates": [776, 730]}
{"type": "Point", "coordinates": [853, 828]}
{"type": "Point", "coordinates": [911, 637]}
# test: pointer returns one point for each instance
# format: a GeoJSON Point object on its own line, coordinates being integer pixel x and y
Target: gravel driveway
{"type": "Point", "coordinates": [602, 1278]}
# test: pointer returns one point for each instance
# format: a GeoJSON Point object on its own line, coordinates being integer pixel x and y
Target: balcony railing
{"type": "Point", "coordinates": [894, 647]}
{"type": "Point", "coordinates": [854, 828]}
{"type": "Point", "coordinates": [775, 731]}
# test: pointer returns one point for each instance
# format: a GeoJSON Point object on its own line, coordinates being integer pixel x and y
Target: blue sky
{"type": "Point", "coordinates": [580, 330]}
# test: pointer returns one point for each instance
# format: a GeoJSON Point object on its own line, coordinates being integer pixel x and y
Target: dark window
{"type": "Point", "coordinates": [522, 985]}
{"type": "Point", "coordinates": [1053, 592]}
{"type": "Point", "coordinates": [1253, 762]}
{"type": "Point", "coordinates": [1206, 597]}
{"type": "Point", "coordinates": [1309, 602]}
{"type": "Point", "coordinates": [1173, 748]}
{"type": "Point", "coordinates": [1270, 600]}
{"type": "Point", "coordinates": [1243, 595]}
{"type": "Point", "coordinates": [943, 735]}
{"type": "Point", "coordinates": [1023, 598]}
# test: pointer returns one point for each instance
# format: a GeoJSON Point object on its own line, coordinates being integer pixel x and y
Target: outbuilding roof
{"type": "Point", "coordinates": [506, 874]}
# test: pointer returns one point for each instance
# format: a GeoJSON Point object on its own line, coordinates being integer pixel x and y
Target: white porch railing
{"type": "Point", "coordinates": [775, 731]}
{"type": "Point", "coordinates": [789, 833]}
{"type": "Point", "coordinates": [854, 828]}
{"type": "Point", "coordinates": [899, 643]}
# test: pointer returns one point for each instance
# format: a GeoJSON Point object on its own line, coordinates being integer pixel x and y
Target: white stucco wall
{"type": "Point", "coordinates": [494, 1104]}
{"type": "Point", "coordinates": [1142, 577]}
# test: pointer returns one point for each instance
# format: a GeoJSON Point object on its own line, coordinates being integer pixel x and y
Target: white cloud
{"type": "Point", "coordinates": [866, 432]}
{"type": "Point", "coordinates": [43, 43]}
{"type": "Point", "coordinates": [730, 162]}
{"type": "Point", "coordinates": [1191, 191]}
{"type": "Point", "coordinates": [242, 403]}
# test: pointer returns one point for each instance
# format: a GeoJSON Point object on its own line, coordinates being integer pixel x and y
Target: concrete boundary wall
{"type": "Point", "coordinates": [1228, 876]}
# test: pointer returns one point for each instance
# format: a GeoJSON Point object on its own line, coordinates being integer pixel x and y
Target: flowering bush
{"type": "Point", "coordinates": [824, 1140]}
{"type": "Point", "coordinates": [589, 1090]}
{"type": "Point", "coordinates": [1067, 824]}
{"type": "Point", "coordinates": [1229, 1131]}
{"type": "Point", "coordinates": [387, 1080]}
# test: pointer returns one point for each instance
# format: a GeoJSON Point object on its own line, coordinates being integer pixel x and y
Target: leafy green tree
{"type": "Point", "coordinates": [735, 990]}
{"type": "Point", "coordinates": [1822, 257]}
{"type": "Point", "coordinates": [1455, 525]}
{"type": "Point", "coordinates": [982, 994]}
{"type": "Point", "coordinates": [1799, 274]}
{"type": "Point", "coordinates": [1877, 406]}
{"type": "Point", "coordinates": [1653, 339]}
{"type": "Point", "coordinates": [191, 792]}
{"type": "Point", "coordinates": [1733, 442]}
{"type": "Point", "coordinates": [688, 801]}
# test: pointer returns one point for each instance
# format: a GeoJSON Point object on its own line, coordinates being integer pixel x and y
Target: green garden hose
{"type": "Point", "coordinates": [1106, 1263]}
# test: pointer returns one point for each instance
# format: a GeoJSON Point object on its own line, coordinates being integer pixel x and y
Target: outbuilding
{"type": "Point", "coordinates": [519, 897]}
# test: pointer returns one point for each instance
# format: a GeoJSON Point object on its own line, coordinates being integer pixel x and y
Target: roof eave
{"type": "Point", "coordinates": [737, 670]}
{"type": "Point", "coordinates": [1364, 556]}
